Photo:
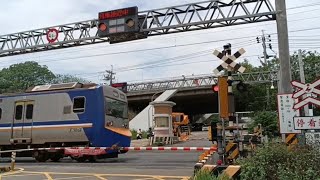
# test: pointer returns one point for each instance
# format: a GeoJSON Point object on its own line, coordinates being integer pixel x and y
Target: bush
{"type": "Point", "coordinates": [268, 120]}
{"type": "Point", "coordinates": [206, 175]}
{"type": "Point", "coordinates": [276, 162]}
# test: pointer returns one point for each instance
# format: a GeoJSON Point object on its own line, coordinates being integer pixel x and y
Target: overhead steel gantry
{"type": "Point", "coordinates": [175, 19]}
{"type": "Point", "coordinates": [200, 82]}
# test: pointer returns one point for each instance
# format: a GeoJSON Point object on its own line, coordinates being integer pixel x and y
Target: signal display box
{"type": "Point", "coordinates": [118, 21]}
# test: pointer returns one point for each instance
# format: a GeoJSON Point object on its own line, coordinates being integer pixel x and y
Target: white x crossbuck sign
{"type": "Point", "coordinates": [306, 89]}
{"type": "Point", "coordinates": [229, 61]}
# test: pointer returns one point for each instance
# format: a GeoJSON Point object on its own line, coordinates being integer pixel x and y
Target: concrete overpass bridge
{"type": "Point", "coordinates": [194, 96]}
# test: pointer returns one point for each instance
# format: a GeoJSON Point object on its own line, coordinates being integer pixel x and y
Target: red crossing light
{"type": "Point", "coordinates": [215, 88]}
{"type": "Point", "coordinates": [102, 26]}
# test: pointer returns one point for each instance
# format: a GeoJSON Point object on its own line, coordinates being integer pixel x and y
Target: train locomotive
{"type": "Point", "coordinates": [65, 115]}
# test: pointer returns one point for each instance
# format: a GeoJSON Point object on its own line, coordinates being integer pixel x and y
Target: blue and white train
{"type": "Point", "coordinates": [65, 115]}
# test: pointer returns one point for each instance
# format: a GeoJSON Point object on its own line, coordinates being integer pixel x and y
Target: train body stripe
{"type": "Point", "coordinates": [41, 127]}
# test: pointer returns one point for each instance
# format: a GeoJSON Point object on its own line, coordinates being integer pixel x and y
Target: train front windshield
{"type": "Point", "coordinates": [116, 108]}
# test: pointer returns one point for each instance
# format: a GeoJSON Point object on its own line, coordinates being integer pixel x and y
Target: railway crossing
{"type": "Point", "coordinates": [129, 24]}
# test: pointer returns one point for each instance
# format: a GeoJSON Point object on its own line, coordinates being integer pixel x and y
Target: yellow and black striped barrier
{"type": "Point", "coordinates": [291, 140]}
{"type": "Point", "coordinates": [203, 159]}
{"type": "Point", "coordinates": [231, 171]}
{"type": "Point", "coordinates": [232, 151]}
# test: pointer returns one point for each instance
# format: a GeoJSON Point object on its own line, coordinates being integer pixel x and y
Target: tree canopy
{"type": "Point", "coordinates": [18, 77]}
{"type": "Point", "coordinates": [255, 99]}
{"type": "Point", "coordinates": [65, 78]}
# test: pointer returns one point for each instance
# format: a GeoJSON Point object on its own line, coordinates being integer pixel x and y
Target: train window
{"type": "Point", "coordinates": [18, 115]}
{"type": "Point", "coordinates": [78, 104]}
{"type": "Point", "coordinates": [0, 113]}
{"type": "Point", "coordinates": [29, 111]}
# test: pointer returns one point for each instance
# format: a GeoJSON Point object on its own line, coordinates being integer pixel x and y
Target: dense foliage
{"type": "Point", "coordinates": [65, 78]}
{"type": "Point", "coordinates": [19, 77]}
{"type": "Point", "coordinates": [257, 99]}
{"type": "Point", "coordinates": [206, 175]}
{"type": "Point", "coordinates": [278, 162]}
{"type": "Point", "coordinates": [268, 121]}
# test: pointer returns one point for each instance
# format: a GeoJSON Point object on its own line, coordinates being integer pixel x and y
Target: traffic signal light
{"type": "Point", "coordinates": [241, 87]}
{"type": "Point", "coordinates": [215, 88]}
{"type": "Point", "coordinates": [118, 21]}
{"type": "Point", "coordinates": [214, 131]}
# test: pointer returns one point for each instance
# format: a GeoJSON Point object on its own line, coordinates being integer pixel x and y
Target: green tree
{"type": "Point", "coordinates": [268, 121]}
{"type": "Point", "coordinates": [65, 78]}
{"type": "Point", "coordinates": [256, 98]}
{"type": "Point", "coordinates": [18, 77]}
{"type": "Point", "coordinates": [311, 63]}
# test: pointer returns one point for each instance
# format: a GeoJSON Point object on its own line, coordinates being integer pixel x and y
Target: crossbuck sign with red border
{"type": "Point", "coordinates": [308, 89]}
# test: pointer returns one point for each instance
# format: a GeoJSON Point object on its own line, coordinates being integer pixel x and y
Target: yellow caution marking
{"type": "Point", "coordinates": [99, 177]}
{"type": "Point", "coordinates": [232, 171]}
{"type": "Point", "coordinates": [78, 177]}
{"type": "Point", "coordinates": [290, 138]}
{"type": "Point", "coordinates": [112, 175]}
{"type": "Point", "coordinates": [158, 177]}
{"type": "Point", "coordinates": [209, 167]}
{"type": "Point", "coordinates": [23, 174]}
{"type": "Point", "coordinates": [48, 176]}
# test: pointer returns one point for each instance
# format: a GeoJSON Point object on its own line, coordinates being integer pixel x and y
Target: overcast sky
{"type": "Point", "coordinates": [21, 15]}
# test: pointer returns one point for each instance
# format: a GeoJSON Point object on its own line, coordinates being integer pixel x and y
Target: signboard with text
{"type": "Point", "coordinates": [287, 113]}
{"type": "Point", "coordinates": [307, 123]}
{"type": "Point", "coordinates": [313, 139]}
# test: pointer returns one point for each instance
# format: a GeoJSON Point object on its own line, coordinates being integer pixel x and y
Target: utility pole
{"type": "Point", "coordinates": [302, 79]}
{"type": "Point", "coordinates": [110, 75]}
{"type": "Point", "coordinates": [284, 55]}
{"type": "Point", "coordinates": [265, 64]}
{"type": "Point", "coordinates": [283, 41]}
{"type": "Point", "coordinates": [308, 110]}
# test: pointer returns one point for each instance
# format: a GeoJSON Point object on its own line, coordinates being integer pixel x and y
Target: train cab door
{"type": "Point", "coordinates": [22, 122]}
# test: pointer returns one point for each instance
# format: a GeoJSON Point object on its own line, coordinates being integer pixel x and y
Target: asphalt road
{"type": "Point", "coordinates": [132, 165]}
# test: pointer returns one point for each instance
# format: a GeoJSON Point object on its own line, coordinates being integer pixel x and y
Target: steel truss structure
{"type": "Point", "coordinates": [188, 17]}
{"type": "Point", "coordinates": [200, 82]}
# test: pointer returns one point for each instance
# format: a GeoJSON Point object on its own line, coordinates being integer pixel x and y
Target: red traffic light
{"type": "Point", "coordinates": [102, 27]}
{"type": "Point", "coordinates": [215, 88]}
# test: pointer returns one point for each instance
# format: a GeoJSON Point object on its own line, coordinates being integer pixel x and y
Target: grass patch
{"type": "Point", "coordinates": [206, 175]}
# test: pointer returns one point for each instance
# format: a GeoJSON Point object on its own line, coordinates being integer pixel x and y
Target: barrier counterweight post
{"type": "Point", "coordinates": [13, 160]}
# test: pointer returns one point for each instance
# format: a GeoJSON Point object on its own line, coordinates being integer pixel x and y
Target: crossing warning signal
{"type": "Point", "coordinates": [118, 22]}
{"type": "Point", "coordinates": [215, 88]}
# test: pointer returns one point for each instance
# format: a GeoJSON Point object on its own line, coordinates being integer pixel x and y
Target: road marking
{"type": "Point", "coordinates": [72, 177]}
{"type": "Point", "coordinates": [18, 175]}
{"type": "Point", "coordinates": [99, 177]}
{"type": "Point", "coordinates": [158, 177]}
{"type": "Point", "coordinates": [48, 176]}
{"type": "Point", "coordinates": [93, 174]}
{"type": "Point", "coordinates": [13, 172]}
